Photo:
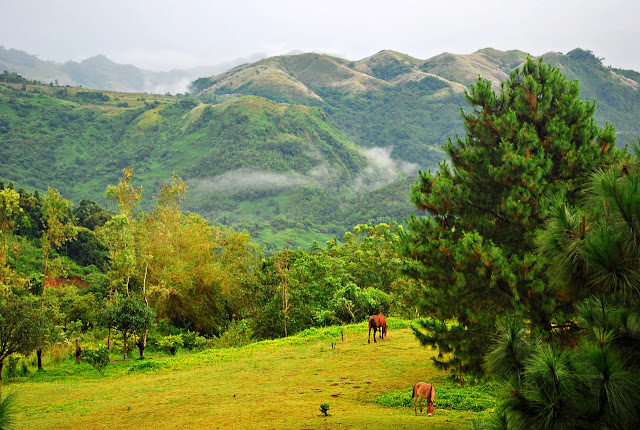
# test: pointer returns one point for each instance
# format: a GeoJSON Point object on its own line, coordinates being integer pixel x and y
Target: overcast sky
{"type": "Point", "coordinates": [164, 35]}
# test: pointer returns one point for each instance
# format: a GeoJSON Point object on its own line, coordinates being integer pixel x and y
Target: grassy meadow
{"type": "Point", "coordinates": [265, 385]}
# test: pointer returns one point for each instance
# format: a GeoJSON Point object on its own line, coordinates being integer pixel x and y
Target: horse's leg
{"type": "Point", "coordinates": [420, 403]}
{"type": "Point", "coordinates": [374, 335]}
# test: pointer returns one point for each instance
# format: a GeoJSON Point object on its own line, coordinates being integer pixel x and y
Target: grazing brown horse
{"type": "Point", "coordinates": [374, 323]}
{"type": "Point", "coordinates": [383, 325]}
{"type": "Point", "coordinates": [425, 391]}
{"type": "Point", "coordinates": [377, 322]}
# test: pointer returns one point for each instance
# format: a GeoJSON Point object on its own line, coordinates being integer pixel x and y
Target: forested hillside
{"type": "Point", "coordinates": [250, 162]}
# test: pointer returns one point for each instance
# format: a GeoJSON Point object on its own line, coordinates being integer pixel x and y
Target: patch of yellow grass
{"type": "Point", "coordinates": [271, 385]}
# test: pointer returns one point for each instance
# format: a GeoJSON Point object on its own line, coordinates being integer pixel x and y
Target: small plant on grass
{"type": "Point", "coordinates": [7, 410]}
{"type": "Point", "coordinates": [324, 408]}
{"type": "Point", "coordinates": [97, 357]}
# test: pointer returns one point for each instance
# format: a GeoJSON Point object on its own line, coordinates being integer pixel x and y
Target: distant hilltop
{"type": "Point", "coordinates": [292, 74]}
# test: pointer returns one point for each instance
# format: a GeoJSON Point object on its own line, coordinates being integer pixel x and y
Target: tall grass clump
{"type": "Point", "coordinates": [7, 411]}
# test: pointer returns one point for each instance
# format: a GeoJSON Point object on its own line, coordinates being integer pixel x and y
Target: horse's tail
{"type": "Point", "coordinates": [414, 392]}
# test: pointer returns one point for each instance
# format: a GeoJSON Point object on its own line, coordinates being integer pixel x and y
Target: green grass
{"type": "Point", "coordinates": [271, 384]}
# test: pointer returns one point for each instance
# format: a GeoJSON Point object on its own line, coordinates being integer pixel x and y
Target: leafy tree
{"type": "Point", "coordinates": [22, 326]}
{"type": "Point", "coordinates": [30, 224]}
{"type": "Point", "coordinates": [118, 237]}
{"type": "Point", "coordinates": [130, 315]}
{"type": "Point", "coordinates": [59, 229]}
{"type": "Point", "coordinates": [124, 194]}
{"type": "Point", "coordinates": [56, 214]}
{"type": "Point", "coordinates": [475, 254]}
{"type": "Point", "coordinates": [197, 276]}
{"type": "Point", "coordinates": [86, 250]}
{"type": "Point", "coordinates": [118, 233]}
{"type": "Point", "coordinates": [97, 357]}
{"type": "Point", "coordinates": [90, 215]}
{"type": "Point", "coordinates": [9, 211]}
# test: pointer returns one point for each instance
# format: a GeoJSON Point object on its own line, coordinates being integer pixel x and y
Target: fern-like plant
{"type": "Point", "coordinates": [7, 411]}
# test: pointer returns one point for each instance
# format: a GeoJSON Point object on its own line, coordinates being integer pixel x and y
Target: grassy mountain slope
{"type": "Point", "coordinates": [57, 128]}
{"type": "Point", "coordinates": [489, 63]}
{"type": "Point", "coordinates": [396, 101]}
{"type": "Point", "coordinates": [616, 93]}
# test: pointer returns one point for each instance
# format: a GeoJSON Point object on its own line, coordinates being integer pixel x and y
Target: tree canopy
{"type": "Point", "coordinates": [475, 252]}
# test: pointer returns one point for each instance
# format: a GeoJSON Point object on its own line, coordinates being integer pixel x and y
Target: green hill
{"type": "Point", "coordinates": [274, 156]}
{"type": "Point", "coordinates": [412, 106]}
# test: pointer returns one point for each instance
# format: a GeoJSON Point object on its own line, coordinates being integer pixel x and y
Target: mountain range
{"type": "Point", "coordinates": [292, 148]}
{"type": "Point", "coordinates": [100, 73]}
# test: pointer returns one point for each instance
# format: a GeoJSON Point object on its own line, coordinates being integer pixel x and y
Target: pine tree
{"type": "Point", "coordinates": [475, 253]}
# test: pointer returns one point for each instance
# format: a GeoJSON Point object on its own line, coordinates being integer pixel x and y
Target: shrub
{"type": "Point", "coordinates": [97, 357]}
{"type": "Point", "coordinates": [170, 343]}
{"type": "Point", "coordinates": [193, 341]}
{"type": "Point", "coordinates": [238, 334]}
{"type": "Point", "coordinates": [324, 408]}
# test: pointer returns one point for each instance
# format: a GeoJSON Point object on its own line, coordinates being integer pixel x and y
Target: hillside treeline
{"type": "Point", "coordinates": [161, 274]}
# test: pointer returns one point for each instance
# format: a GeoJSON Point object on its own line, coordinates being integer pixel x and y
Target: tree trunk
{"type": "Point", "coordinates": [124, 346]}
{"type": "Point", "coordinates": [78, 352]}
{"type": "Point", "coordinates": [39, 354]}
{"type": "Point", "coordinates": [1, 366]}
{"type": "Point", "coordinates": [142, 343]}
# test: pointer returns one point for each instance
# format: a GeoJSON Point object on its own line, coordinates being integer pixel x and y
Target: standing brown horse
{"type": "Point", "coordinates": [383, 325]}
{"type": "Point", "coordinates": [374, 323]}
{"type": "Point", "coordinates": [377, 322]}
{"type": "Point", "coordinates": [425, 391]}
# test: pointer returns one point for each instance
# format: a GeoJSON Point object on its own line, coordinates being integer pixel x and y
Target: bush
{"type": "Point", "coordinates": [238, 334]}
{"type": "Point", "coordinates": [170, 343]}
{"type": "Point", "coordinates": [324, 408]}
{"type": "Point", "coordinates": [16, 366]}
{"type": "Point", "coordinates": [193, 341]}
{"type": "Point", "coordinates": [97, 357]}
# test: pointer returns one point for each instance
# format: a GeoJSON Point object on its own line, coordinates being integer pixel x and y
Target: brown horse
{"type": "Point", "coordinates": [383, 325]}
{"type": "Point", "coordinates": [377, 322]}
{"type": "Point", "coordinates": [374, 323]}
{"type": "Point", "coordinates": [425, 391]}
